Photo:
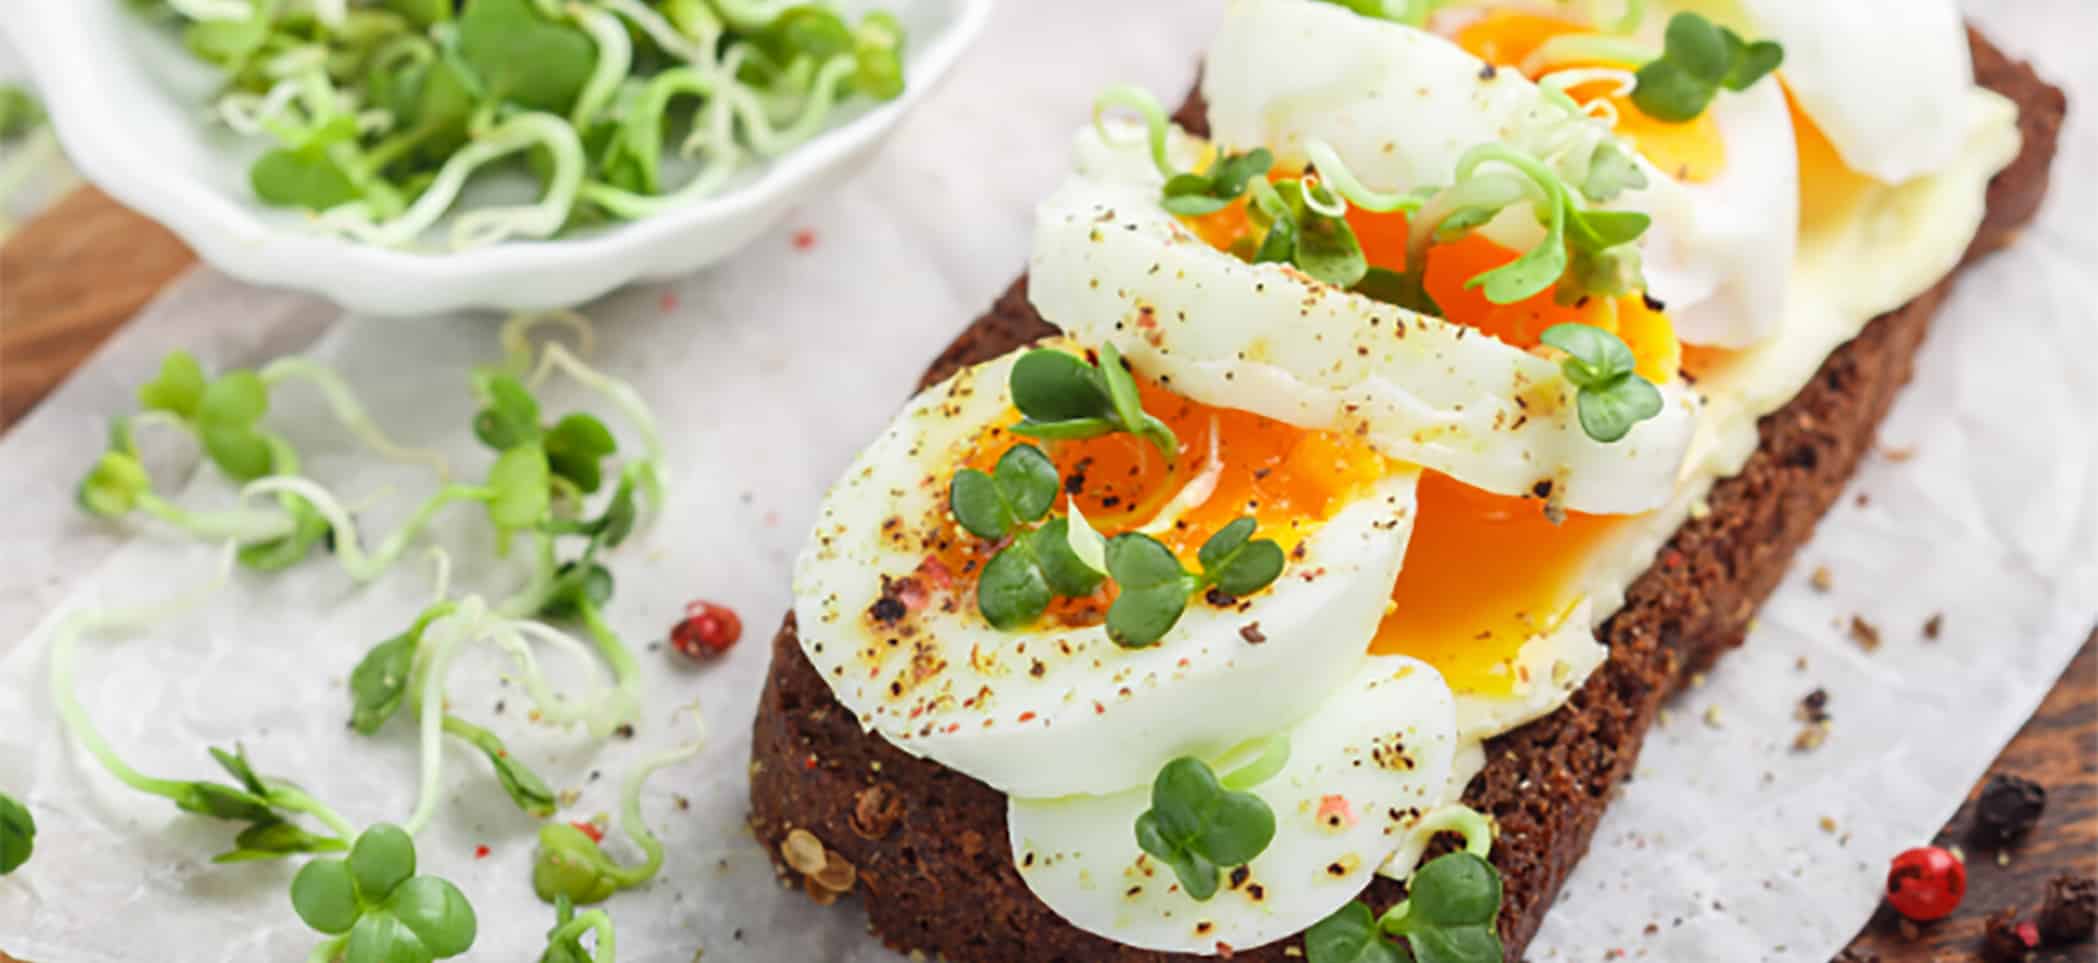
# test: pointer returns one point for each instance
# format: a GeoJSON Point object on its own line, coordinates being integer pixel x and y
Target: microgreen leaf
{"type": "Point", "coordinates": [1328, 250]}
{"type": "Point", "coordinates": [1197, 826]}
{"type": "Point", "coordinates": [1698, 58]}
{"type": "Point", "coordinates": [222, 802]}
{"type": "Point", "coordinates": [177, 389]}
{"type": "Point", "coordinates": [1612, 396]}
{"type": "Point", "coordinates": [1594, 357]}
{"type": "Point", "coordinates": [1537, 269]}
{"type": "Point", "coordinates": [519, 480]}
{"type": "Point", "coordinates": [20, 111]}
{"type": "Point", "coordinates": [1019, 489]}
{"type": "Point", "coordinates": [390, 914]}
{"type": "Point", "coordinates": [1129, 410]}
{"type": "Point", "coordinates": [1350, 935]}
{"type": "Point", "coordinates": [1236, 564]}
{"type": "Point", "coordinates": [1608, 414]}
{"type": "Point", "coordinates": [571, 864]}
{"type": "Point", "coordinates": [1406, 289]}
{"type": "Point", "coordinates": [1193, 195]}
{"type": "Point", "coordinates": [576, 448]}
{"type": "Point", "coordinates": [577, 585]}
{"type": "Point", "coordinates": [523, 786]}
{"type": "Point", "coordinates": [17, 834]}
{"type": "Point", "coordinates": [877, 50]}
{"type": "Point", "coordinates": [1013, 590]}
{"type": "Point", "coordinates": [112, 487]}
{"type": "Point", "coordinates": [511, 417]}
{"type": "Point", "coordinates": [324, 894]}
{"type": "Point", "coordinates": [305, 177]}
{"type": "Point", "coordinates": [1152, 590]}
{"type": "Point", "coordinates": [276, 840]}
{"type": "Point", "coordinates": [1061, 397]}
{"type": "Point", "coordinates": [1066, 572]}
{"type": "Point", "coordinates": [380, 680]}
{"type": "Point", "coordinates": [226, 415]}
{"type": "Point", "coordinates": [524, 58]}
{"type": "Point", "coordinates": [1455, 889]}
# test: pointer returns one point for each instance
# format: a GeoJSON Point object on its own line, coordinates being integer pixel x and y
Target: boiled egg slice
{"type": "Point", "coordinates": [1111, 265]}
{"type": "Point", "coordinates": [886, 609]}
{"type": "Point", "coordinates": [1361, 771]}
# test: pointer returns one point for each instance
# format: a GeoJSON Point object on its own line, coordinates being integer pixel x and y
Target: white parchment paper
{"type": "Point", "coordinates": [770, 371]}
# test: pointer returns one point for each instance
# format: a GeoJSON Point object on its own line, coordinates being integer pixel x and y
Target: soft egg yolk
{"type": "Point", "coordinates": [1483, 574]}
{"type": "Point", "coordinates": [1693, 152]}
{"type": "Point", "coordinates": [1289, 480]}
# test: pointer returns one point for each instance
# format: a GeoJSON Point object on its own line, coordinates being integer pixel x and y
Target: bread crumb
{"type": "Point", "coordinates": [1800, 663]}
{"type": "Point", "coordinates": [1697, 680]}
{"type": "Point", "coordinates": [1898, 454]}
{"type": "Point", "coordinates": [1864, 633]}
{"type": "Point", "coordinates": [1822, 579]}
{"type": "Point", "coordinates": [1828, 825]}
{"type": "Point", "coordinates": [1712, 715]}
{"type": "Point", "coordinates": [1934, 625]}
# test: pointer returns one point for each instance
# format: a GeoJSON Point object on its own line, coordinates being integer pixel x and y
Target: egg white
{"type": "Point", "coordinates": [1885, 80]}
{"type": "Point", "coordinates": [1054, 710]}
{"type": "Point", "coordinates": [1079, 854]}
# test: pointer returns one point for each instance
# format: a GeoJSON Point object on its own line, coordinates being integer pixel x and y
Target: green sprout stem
{"type": "Point", "coordinates": [238, 524]}
{"type": "Point", "coordinates": [329, 950]}
{"type": "Point", "coordinates": [1586, 48]}
{"type": "Point", "coordinates": [65, 640]}
{"type": "Point", "coordinates": [1342, 181]}
{"type": "Point", "coordinates": [591, 921]}
{"type": "Point", "coordinates": [690, 48]}
{"type": "Point", "coordinates": [615, 56]}
{"type": "Point", "coordinates": [757, 127]}
{"type": "Point", "coordinates": [343, 402]}
{"type": "Point", "coordinates": [1149, 110]}
{"type": "Point", "coordinates": [626, 673]}
{"type": "Point", "coordinates": [349, 548]}
{"type": "Point", "coordinates": [630, 806]}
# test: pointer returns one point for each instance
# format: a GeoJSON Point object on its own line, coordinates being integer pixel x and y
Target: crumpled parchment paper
{"type": "Point", "coordinates": [770, 371]}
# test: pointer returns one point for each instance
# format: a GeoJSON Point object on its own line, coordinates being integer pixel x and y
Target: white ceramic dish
{"type": "Point", "coordinates": [130, 106]}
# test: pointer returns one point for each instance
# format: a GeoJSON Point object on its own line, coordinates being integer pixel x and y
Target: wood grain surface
{"type": "Point", "coordinates": [76, 273]}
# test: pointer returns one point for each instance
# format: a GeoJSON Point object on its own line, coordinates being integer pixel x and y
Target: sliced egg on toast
{"type": "Point", "coordinates": [885, 607]}
{"type": "Point", "coordinates": [1111, 265]}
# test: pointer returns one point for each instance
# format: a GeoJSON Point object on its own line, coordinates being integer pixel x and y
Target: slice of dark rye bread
{"type": "Point", "coordinates": [935, 869]}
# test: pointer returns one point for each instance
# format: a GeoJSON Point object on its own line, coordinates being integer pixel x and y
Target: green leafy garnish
{"type": "Point", "coordinates": [1193, 195]}
{"type": "Point", "coordinates": [1612, 396]}
{"type": "Point", "coordinates": [519, 782]}
{"type": "Point", "coordinates": [112, 488]}
{"type": "Point", "coordinates": [20, 111]}
{"type": "Point", "coordinates": [17, 834]}
{"type": "Point", "coordinates": [1019, 489]}
{"type": "Point", "coordinates": [1699, 58]}
{"type": "Point", "coordinates": [1062, 397]}
{"type": "Point", "coordinates": [564, 943]}
{"type": "Point", "coordinates": [227, 415]}
{"type": "Point", "coordinates": [375, 898]}
{"type": "Point", "coordinates": [1317, 242]}
{"type": "Point", "coordinates": [179, 387]}
{"type": "Point", "coordinates": [381, 678]}
{"type": "Point", "coordinates": [1447, 917]}
{"type": "Point", "coordinates": [1200, 828]}
{"type": "Point", "coordinates": [1154, 589]}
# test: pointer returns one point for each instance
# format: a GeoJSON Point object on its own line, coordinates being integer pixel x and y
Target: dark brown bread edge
{"type": "Point", "coordinates": [930, 846]}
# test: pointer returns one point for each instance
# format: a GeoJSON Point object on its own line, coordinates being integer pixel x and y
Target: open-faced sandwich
{"type": "Point", "coordinates": [1291, 565]}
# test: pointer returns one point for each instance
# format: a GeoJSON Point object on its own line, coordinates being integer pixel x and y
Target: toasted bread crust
{"type": "Point", "coordinates": [935, 870]}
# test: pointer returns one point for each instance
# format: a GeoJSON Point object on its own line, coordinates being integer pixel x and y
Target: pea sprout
{"type": "Point", "coordinates": [571, 865]}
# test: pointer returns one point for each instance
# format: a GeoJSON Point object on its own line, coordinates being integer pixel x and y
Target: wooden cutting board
{"type": "Point", "coordinates": [83, 268]}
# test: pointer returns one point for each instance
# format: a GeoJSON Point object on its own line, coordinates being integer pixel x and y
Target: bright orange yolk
{"type": "Point", "coordinates": [1288, 479]}
{"type": "Point", "coordinates": [1692, 152]}
{"type": "Point", "coordinates": [1483, 574]}
{"type": "Point", "coordinates": [1829, 191]}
